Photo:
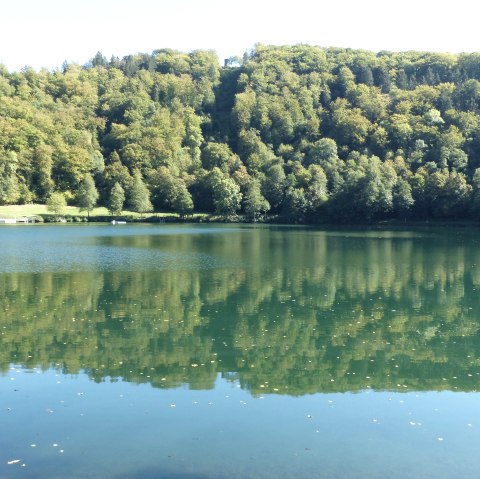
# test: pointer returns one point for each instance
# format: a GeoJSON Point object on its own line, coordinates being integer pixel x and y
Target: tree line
{"type": "Point", "coordinates": [303, 133]}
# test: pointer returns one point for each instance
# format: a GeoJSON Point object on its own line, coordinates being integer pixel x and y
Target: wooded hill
{"type": "Point", "coordinates": [305, 133]}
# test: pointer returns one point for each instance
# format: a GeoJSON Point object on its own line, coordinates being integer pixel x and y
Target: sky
{"type": "Point", "coordinates": [45, 33]}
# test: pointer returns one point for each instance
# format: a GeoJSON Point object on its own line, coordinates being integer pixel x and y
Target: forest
{"type": "Point", "coordinates": [300, 134]}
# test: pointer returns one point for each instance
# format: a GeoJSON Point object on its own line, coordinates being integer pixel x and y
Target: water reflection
{"type": "Point", "coordinates": [281, 311]}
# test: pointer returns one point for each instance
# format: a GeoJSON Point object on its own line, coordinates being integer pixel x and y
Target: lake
{"type": "Point", "coordinates": [208, 352]}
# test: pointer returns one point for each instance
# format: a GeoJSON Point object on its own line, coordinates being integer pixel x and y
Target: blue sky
{"type": "Point", "coordinates": [44, 33]}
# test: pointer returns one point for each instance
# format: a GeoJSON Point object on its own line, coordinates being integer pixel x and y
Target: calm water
{"type": "Point", "coordinates": [205, 352]}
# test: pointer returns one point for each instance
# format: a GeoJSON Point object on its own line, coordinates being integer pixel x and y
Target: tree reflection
{"type": "Point", "coordinates": [286, 312]}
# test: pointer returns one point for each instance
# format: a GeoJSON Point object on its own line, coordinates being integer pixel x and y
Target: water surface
{"type": "Point", "coordinates": [225, 351]}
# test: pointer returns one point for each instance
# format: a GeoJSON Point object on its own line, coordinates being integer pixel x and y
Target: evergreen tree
{"type": "Point", "coordinates": [116, 199]}
{"type": "Point", "coordinates": [87, 195]}
{"type": "Point", "coordinates": [139, 196]}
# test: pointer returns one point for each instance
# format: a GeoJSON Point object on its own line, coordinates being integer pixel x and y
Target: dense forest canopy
{"type": "Point", "coordinates": [301, 132]}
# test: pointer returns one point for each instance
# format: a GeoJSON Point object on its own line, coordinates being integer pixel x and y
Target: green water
{"type": "Point", "coordinates": [224, 351]}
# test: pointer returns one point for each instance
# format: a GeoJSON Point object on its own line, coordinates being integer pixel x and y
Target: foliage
{"type": "Point", "coordinates": [174, 118]}
{"type": "Point", "coordinates": [87, 195]}
{"type": "Point", "coordinates": [56, 203]}
{"type": "Point", "coordinates": [226, 193]}
{"type": "Point", "coordinates": [116, 199]}
{"type": "Point", "coordinates": [256, 205]}
{"type": "Point", "coordinates": [139, 196]}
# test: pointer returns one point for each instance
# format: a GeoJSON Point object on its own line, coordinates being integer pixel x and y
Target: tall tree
{"type": "Point", "coordinates": [87, 195]}
{"type": "Point", "coordinates": [255, 203]}
{"type": "Point", "coordinates": [9, 187]}
{"type": "Point", "coordinates": [116, 199]}
{"type": "Point", "coordinates": [139, 196]}
{"type": "Point", "coordinates": [225, 192]}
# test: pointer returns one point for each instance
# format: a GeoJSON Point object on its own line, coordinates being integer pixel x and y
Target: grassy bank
{"type": "Point", "coordinates": [17, 211]}
{"type": "Point", "coordinates": [97, 214]}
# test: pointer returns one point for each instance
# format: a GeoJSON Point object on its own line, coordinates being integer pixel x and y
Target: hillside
{"type": "Point", "coordinates": [306, 133]}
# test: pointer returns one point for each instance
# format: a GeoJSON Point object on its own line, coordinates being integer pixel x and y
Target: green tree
{"type": "Point", "coordinates": [87, 195]}
{"type": "Point", "coordinates": [273, 187]}
{"type": "Point", "coordinates": [9, 187]}
{"type": "Point", "coordinates": [42, 174]}
{"type": "Point", "coordinates": [139, 196]}
{"type": "Point", "coordinates": [219, 155]}
{"type": "Point", "coordinates": [116, 199]}
{"type": "Point", "coordinates": [182, 201]}
{"type": "Point", "coordinates": [316, 192]}
{"type": "Point", "coordinates": [295, 204]}
{"type": "Point", "coordinates": [56, 204]}
{"type": "Point", "coordinates": [225, 193]}
{"type": "Point", "coordinates": [255, 204]}
{"type": "Point", "coordinates": [402, 197]}
{"type": "Point", "coordinates": [350, 125]}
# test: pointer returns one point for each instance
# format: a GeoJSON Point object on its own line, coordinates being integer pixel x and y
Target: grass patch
{"type": "Point", "coordinates": [18, 211]}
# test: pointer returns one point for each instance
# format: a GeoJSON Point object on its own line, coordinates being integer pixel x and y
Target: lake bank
{"type": "Point", "coordinates": [37, 214]}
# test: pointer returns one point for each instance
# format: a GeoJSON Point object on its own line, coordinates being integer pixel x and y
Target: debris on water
{"type": "Point", "coordinates": [440, 438]}
{"type": "Point", "coordinates": [13, 461]}
{"type": "Point", "coordinates": [173, 405]}
{"type": "Point", "coordinates": [33, 445]}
